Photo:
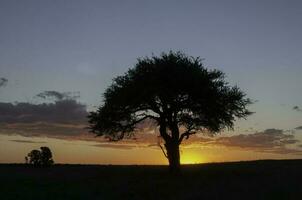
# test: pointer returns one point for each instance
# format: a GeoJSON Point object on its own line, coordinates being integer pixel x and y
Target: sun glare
{"type": "Point", "coordinates": [191, 158]}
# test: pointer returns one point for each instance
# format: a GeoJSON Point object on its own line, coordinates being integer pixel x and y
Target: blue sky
{"type": "Point", "coordinates": [80, 45]}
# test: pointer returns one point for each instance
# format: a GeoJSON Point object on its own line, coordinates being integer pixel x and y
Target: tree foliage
{"type": "Point", "coordinates": [41, 157]}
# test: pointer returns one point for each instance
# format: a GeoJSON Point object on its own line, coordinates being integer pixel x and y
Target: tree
{"type": "Point", "coordinates": [175, 91]}
{"type": "Point", "coordinates": [34, 157]}
{"type": "Point", "coordinates": [46, 156]}
{"type": "Point", "coordinates": [40, 158]}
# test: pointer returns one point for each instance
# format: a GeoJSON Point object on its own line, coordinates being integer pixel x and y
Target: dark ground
{"type": "Point", "coordinates": [241, 180]}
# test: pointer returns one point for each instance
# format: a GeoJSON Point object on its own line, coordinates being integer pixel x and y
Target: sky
{"type": "Point", "coordinates": [74, 48]}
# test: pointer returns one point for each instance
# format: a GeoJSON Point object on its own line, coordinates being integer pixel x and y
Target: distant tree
{"type": "Point", "coordinates": [46, 156]}
{"type": "Point", "coordinates": [35, 157]}
{"type": "Point", "coordinates": [40, 158]}
{"type": "Point", "coordinates": [175, 91]}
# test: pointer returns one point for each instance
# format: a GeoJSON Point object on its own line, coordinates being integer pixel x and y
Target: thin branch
{"type": "Point", "coordinates": [161, 147]}
{"type": "Point", "coordinates": [163, 150]}
{"type": "Point", "coordinates": [153, 117]}
{"type": "Point", "coordinates": [186, 134]}
{"type": "Point", "coordinates": [139, 120]}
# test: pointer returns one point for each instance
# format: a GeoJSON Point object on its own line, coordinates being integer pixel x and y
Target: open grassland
{"type": "Point", "coordinates": [268, 179]}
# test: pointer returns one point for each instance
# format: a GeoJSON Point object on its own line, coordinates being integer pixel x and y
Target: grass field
{"type": "Point", "coordinates": [239, 180]}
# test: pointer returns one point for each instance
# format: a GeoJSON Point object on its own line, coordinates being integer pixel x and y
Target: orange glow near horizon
{"type": "Point", "coordinates": [14, 148]}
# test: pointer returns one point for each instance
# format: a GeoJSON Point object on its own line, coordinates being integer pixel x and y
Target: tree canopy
{"type": "Point", "coordinates": [175, 91]}
{"type": "Point", "coordinates": [41, 157]}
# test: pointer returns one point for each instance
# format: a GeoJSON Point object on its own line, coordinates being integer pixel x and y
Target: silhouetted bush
{"type": "Point", "coordinates": [41, 157]}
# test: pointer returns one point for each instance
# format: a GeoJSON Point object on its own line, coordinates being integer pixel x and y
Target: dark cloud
{"type": "Point", "coordinates": [297, 108]}
{"type": "Point", "coordinates": [63, 111]}
{"type": "Point", "coordinates": [27, 141]}
{"type": "Point", "coordinates": [299, 128]}
{"type": "Point", "coordinates": [115, 146]}
{"type": "Point", "coordinates": [3, 82]}
{"type": "Point", "coordinates": [65, 118]}
{"type": "Point", "coordinates": [270, 140]}
{"type": "Point", "coordinates": [51, 130]}
{"type": "Point", "coordinates": [58, 96]}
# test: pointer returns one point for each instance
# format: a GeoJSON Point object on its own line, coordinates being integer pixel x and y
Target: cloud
{"type": "Point", "coordinates": [270, 141]}
{"type": "Point", "coordinates": [27, 141]}
{"type": "Point", "coordinates": [59, 96]}
{"type": "Point", "coordinates": [45, 129]}
{"type": "Point", "coordinates": [299, 128]}
{"type": "Point", "coordinates": [3, 82]}
{"type": "Point", "coordinates": [274, 141]}
{"type": "Point", "coordinates": [63, 111]}
{"type": "Point", "coordinates": [297, 108]}
{"type": "Point", "coordinates": [115, 146]}
{"type": "Point", "coordinates": [66, 119]}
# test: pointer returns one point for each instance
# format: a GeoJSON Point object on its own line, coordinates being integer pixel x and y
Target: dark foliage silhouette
{"type": "Point", "coordinates": [46, 156]}
{"type": "Point", "coordinates": [175, 91]}
{"type": "Point", "coordinates": [34, 157]}
{"type": "Point", "coordinates": [41, 158]}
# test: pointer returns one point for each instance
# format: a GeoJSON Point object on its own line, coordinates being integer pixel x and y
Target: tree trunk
{"type": "Point", "coordinates": [173, 157]}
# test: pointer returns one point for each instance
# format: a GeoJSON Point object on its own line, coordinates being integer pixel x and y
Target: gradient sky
{"type": "Point", "coordinates": [80, 45]}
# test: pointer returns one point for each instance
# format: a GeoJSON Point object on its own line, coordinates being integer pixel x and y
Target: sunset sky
{"type": "Point", "coordinates": [74, 48]}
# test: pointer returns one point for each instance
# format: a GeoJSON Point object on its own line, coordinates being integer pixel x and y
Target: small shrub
{"type": "Point", "coordinates": [40, 158]}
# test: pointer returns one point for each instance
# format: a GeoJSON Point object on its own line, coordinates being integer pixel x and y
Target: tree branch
{"type": "Point", "coordinates": [186, 134]}
{"type": "Point", "coordinates": [140, 120]}
{"type": "Point", "coordinates": [161, 147]}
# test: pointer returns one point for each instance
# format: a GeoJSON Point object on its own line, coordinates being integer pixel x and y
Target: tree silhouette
{"type": "Point", "coordinates": [178, 93]}
{"type": "Point", "coordinates": [40, 158]}
{"type": "Point", "coordinates": [34, 157]}
{"type": "Point", "coordinates": [46, 156]}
